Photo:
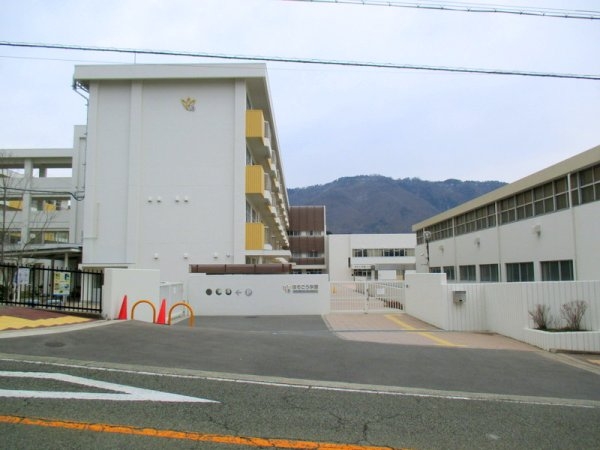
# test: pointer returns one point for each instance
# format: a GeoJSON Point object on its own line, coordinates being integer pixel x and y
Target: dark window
{"type": "Point", "coordinates": [467, 273]}
{"type": "Point", "coordinates": [519, 272]}
{"type": "Point", "coordinates": [557, 270]}
{"type": "Point", "coordinates": [488, 273]}
{"type": "Point", "coordinates": [450, 273]}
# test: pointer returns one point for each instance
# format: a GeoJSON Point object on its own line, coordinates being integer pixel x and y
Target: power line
{"type": "Point", "coordinates": [474, 7]}
{"type": "Point", "coordinates": [376, 65]}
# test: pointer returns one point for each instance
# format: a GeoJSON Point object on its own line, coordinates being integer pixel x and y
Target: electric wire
{"type": "Point", "coordinates": [473, 7]}
{"type": "Point", "coordinates": [378, 65]}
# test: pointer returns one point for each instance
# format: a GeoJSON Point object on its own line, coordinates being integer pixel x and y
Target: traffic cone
{"type": "Point", "coordinates": [123, 312]}
{"type": "Point", "coordinates": [162, 320]}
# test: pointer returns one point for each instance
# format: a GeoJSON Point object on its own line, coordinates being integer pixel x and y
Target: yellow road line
{"type": "Point", "coordinates": [18, 322]}
{"type": "Point", "coordinates": [430, 336]}
{"type": "Point", "coordinates": [186, 435]}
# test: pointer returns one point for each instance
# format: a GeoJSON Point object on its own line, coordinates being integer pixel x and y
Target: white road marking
{"type": "Point", "coordinates": [399, 391]}
{"type": "Point", "coordinates": [125, 393]}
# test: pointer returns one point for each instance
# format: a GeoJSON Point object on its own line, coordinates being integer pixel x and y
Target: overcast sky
{"type": "Point", "coordinates": [336, 121]}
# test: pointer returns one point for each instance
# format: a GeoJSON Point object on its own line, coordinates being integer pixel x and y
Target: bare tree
{"type": "Point", "coordinates": [16, 236]}
{"type": "Point", "coordinates": [541, 317]}
{"type": "Point", "coordinates": [573, 313]}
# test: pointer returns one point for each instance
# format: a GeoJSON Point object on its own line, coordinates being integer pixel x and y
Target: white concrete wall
{"type": "Point", "coordinates": [222, 295]}
{"type": "Point", "coordinates": [504, 308]}
{"type": "Point", "coordinates": [165, 186]}
{"type": "Point", "coordinates": [425, 298]}
{"type": "Point", "coordinates": [338, 252]}
{"type": "Point", "coordinates": [136, 285]}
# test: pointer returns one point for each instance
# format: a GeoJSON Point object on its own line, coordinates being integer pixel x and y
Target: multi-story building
{"type": "Point", "coordinates": [540, 228]}
{"type": "Point", "coordinates": [41, 191]}
{"type": "Point", "coordinates": [183, 167]}
{"type": "Point", "coordinates": [307, 233]}
{"type": "Point", "coordinates": [370, 256]}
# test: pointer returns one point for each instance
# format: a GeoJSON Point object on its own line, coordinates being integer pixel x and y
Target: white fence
{"type": "Point", "coordinates": [367, 296]}
{"type": "Point", "coordinates": [504, 308]}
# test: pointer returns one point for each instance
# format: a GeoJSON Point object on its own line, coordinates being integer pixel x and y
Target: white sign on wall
{"type": "Point", "coordinates": [222, 295]}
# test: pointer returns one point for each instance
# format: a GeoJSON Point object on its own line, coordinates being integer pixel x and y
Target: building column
{"type": "Point", "coordinates": [26, 202]}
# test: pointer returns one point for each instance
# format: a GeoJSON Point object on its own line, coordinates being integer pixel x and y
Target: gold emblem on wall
{"type": "Point", "coordinates": [189, 103]}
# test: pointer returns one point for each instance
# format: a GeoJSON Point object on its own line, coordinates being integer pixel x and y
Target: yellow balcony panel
{"type": "Point", "coordinates": [255, 236]}
{"type": "Point", "coordinates": [258, 134]}
{"type": "Point", "coordinates": [255, 180]}
{"type": "Point", "coordinates": [255, 124]}
{"type": "Point", "coordinates": [15, 204]}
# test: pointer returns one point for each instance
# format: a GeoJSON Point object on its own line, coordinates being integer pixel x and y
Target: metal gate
{"type": "Point", "coordinates": [367, 296]}
{"type": "Point", "coordinates": [55, 289]}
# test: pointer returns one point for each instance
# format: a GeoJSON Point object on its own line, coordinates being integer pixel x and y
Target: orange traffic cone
{"type": "Point", "coordinates": [162, 319]}
{"type": "Point", "coordinates": [123, 312]}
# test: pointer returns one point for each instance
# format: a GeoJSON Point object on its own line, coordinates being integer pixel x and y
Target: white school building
{"type": "Point", "coordinates": [543, 227]}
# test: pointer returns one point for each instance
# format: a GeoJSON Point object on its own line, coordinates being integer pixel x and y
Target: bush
{"type": "Point", "coordinates": [541, 317]}
{"type": "Point", "coordinates": [573, 313]}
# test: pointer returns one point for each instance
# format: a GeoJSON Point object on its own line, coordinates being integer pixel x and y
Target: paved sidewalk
{"type": "Point", "coordinates": [400, 328]}
{"type": "Point", "coordinates": [18, 318]}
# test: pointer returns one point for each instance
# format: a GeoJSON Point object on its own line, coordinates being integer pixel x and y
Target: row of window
{"type": "Point", "coordinates": [543, 199]}
{"type": "Point", "coordinates": [40, 205]}
{"type": "Point", "coordinates": [311, 254]}
{"type": "Point", "coordinates": [383, 252]}
{"type": "Point", "coordinates": [306, 233]}
{"type": "Point", "coordinates": [37, 237]}
{"type": "Point", "coordinates": [515, 272]}
{"type": "Point", "coordinates": [584, 187]}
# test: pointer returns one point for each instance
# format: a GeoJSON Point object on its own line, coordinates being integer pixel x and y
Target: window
{"type": "Point", "coordinates": [561, 193]}
{"type": "Point", "coordinates": [543, 199]}
{"type": "Point", "coordinates": [557, 270]}
{"type": "Point", "coordinates": [519, 272]}
{"type": "Point", "coordinates": [488, 273]}
{"type": "Point", "coordinates": [251, 214]}
{"type": "Point", "coordinates": [442, 230]}
{"type": "Point", "coordinates": [12, 236]}
{"type": "Point", "coordinates": [382, 252]}
{"type": "Point", "coordinates": [507, 210]}
{"type": "Point", "coordinates": [477, 219]}
{"type": "Point", "coordinates": [585, 186]}
{"type": "Point", "coordinates": [49, 237]}
{"type": "Point", "coordinates": [467, 273]}
{"type": "Point", "coordinates": [450, 273]}
{"type": "Point", "coordinates": [435, 270]}
{"type": "Point", "coordinates": [362, 273]}
{"type": "Point", "coordinates": [524, 205]}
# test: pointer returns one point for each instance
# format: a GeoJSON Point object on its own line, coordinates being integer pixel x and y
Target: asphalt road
{"type": "Point", "coordinates": [289, 379]}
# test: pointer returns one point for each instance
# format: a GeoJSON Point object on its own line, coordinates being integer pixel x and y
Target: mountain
{"type": "Point", "coordinates": [377, 204]}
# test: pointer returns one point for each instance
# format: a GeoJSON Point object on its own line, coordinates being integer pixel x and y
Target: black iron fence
{"type": "Point", "coordinates": [57, 289]}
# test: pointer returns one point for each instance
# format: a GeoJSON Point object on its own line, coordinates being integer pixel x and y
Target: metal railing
{"type": "Point", "coordinates": [367, 296]}
{"type": "Point", "coordinates": [56, 289]}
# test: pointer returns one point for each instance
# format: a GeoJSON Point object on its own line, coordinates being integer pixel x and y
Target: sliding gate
{"type": "Point", "coordinates": [367, 296]}
{"type": "Point", "coordinates": [55, 289]}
